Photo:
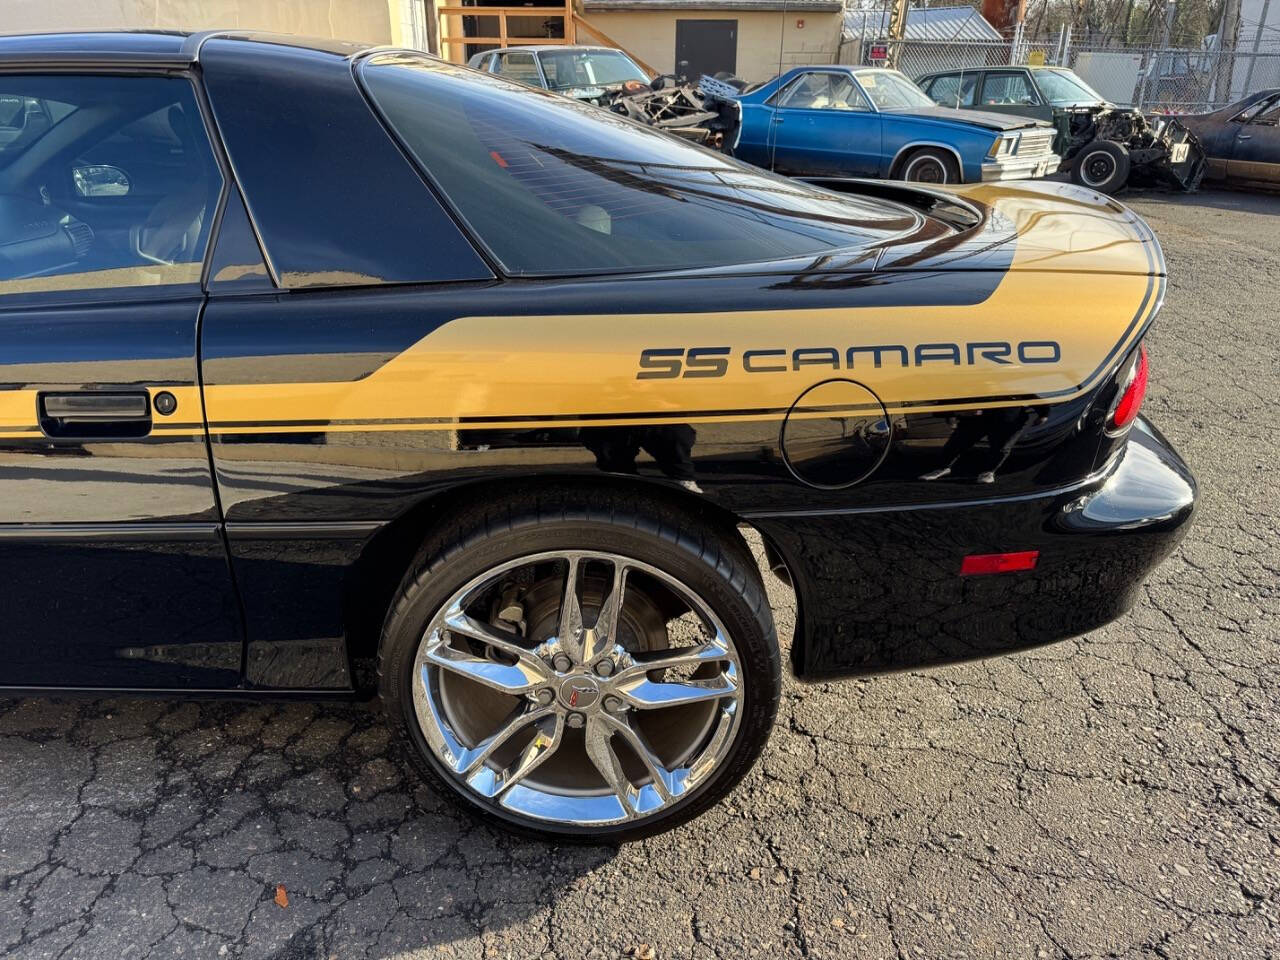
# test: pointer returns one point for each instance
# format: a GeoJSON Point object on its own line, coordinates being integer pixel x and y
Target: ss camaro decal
{"type": "Point", "coordinates": [665, 363]}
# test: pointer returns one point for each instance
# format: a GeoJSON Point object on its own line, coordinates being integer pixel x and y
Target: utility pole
{"type": "Point", "coordinates": [1228, 35]}
{"type": "Point", "coordinates": [897, 30]}
{"type": "Point", "coordinates": [1155, 62]}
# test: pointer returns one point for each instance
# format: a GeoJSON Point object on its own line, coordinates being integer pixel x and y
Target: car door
{"type": "Point", "coordinates": [1255, 154]}
{"type": "Point", "coordinates": [1012, 92]}
{"type": "Point", "coordinates": [111, 554]}
{"type": "Point", "coordinates": [822, 125]}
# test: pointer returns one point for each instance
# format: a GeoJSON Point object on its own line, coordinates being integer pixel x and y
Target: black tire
{"type": "Point", "coordinates": [929, 165]}
{"type": "Point", "coordinates": [711, 559]}
{"type": "Point", "coordinates": [1102, 165]}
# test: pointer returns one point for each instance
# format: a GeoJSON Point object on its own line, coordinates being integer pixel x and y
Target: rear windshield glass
{"type": "Point", "coordinates": [552, 186]}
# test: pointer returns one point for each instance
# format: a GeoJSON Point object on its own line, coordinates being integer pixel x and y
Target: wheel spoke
{"type": "Point", "coordinates": [648, 695]}
{"type": "Point", "coordinates": [545, 742]}
{"type": "Point", "coordinates": [520, 718]}
{"type": "Point", "coordinates": [661, 776]}
{"type": "Point", "coordinates": [599, 744]}
{"type": "Point", "coordinates": [604, 635]}
{"type": "Point", "coordinates": [460, 623]}
{"type": "Point", "coordinates": [570, 629]}
{"type": "Point", "coordinates": [693, 656]}
{"type": "Point", "coordinates": [515, 679]}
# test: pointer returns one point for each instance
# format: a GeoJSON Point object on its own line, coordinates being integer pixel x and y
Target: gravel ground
{"type": "Point", "coordinates": [1117, 795]}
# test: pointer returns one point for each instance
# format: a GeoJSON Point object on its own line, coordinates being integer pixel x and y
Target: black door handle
{"type": "Point", "coordinates": [95, 414]}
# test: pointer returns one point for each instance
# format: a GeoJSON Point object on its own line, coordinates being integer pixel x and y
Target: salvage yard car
{"type": "Point", "coordinates": [1104, 146]}
{"type": "Point", "coordinates": [867, 122]}
{"type": "Point", "coordinates": [611, 79]}
{"type": "Point", "coordinates": [1242, 140]}
{"type": "Point", "coordinates": [367, 371]}
{"type": "Point", "coordinates": [581, 72]}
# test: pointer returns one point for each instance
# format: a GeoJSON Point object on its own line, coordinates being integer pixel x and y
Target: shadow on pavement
{"type": "Point", "coordinates": [1217, 198]}
{"type": "Point", "coordinates": [135, 828]}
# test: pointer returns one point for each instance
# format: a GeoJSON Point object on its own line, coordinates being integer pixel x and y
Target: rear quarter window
{"type": "Point", "coordinates": [334, 199]}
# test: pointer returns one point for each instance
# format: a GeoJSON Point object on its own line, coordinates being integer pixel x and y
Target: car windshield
{"type": "Point", "coordinates": [1063, 86]}
{"type": "Point", "coordinates": [566, 69]}
{"type": "Point", "coordinates": [552, 186]}
{"type": "Point", "coordinates": [890, 90]}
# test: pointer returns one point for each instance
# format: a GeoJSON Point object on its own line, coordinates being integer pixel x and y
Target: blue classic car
{"type": "Point", "coordinates": [866, 122]}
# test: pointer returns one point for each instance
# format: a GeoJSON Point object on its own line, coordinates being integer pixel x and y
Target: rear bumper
{"type": "Point", "coordinates": [1017, 168]}
{"type": "Point", "coordinates": [881, 590]}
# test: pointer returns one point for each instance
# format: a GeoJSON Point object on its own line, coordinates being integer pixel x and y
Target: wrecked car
{"type": "Point", "coordinates": [1242, 140]}
{"type": "Point", "coordinates": [707, 113]}
{"type": "Point", "coordinates": [1103, 146]}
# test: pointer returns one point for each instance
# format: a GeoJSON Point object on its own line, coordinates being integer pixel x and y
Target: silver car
{"type": "Point", "coordinates": [581, 72]}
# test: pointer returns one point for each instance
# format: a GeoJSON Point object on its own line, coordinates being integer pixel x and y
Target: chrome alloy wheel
{"type": "Point", "coordinates": [578, 687]}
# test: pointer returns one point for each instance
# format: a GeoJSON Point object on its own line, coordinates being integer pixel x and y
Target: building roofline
{"type": "Point", "coordinates": [741, 6]}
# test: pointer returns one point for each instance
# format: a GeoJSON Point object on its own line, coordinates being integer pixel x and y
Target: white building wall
{"type": "Point", "coordinates": [369, 21]}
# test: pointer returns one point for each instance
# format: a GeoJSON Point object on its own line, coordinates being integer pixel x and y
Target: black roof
{"type": "Point", "coordinates": [150, 47]}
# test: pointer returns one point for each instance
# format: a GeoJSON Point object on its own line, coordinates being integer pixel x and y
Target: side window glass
{"type": "Point", "coordinates": [1248, 114]}
{"type": "Point", "coordinates": [1269, 114]}
{"type": "Point", "coordinates": [1008, 89]}
{"type": "Point", "coordinates": [943, 89]}
{"type": "Point", "coordinates": [822, 91]}
{"type": "Point", "coordinates": [954, 89]}
{"type": "Point", "coordinates": [104, 182]}
{"type": "Point", "coordinates": [520, 68]}
{"type": "Point", "coordinates": [237, 265]}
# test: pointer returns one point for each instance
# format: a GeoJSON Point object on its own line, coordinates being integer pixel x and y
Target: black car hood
{"type": "Point", "coordinates": [978, 118]}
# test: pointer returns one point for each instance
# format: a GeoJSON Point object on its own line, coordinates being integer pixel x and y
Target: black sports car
{"type": "Point", "coordinates": [325, 370]}
{"type": "Point", "coordinates": [1242, 140]}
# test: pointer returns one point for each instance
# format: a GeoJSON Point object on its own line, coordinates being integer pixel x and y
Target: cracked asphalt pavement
{"type": "Point", "coordinates": [1116, 795]}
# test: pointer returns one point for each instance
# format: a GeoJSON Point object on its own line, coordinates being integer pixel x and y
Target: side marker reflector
{"type": "Point", "coordinates": [979, 563]}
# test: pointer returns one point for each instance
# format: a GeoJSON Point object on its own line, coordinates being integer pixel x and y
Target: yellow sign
{"type": "Point", "coordinates": [1035, 58]}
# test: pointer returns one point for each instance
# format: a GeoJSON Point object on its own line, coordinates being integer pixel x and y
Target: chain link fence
{"type": "Point", "coordinates": [1169, 80]}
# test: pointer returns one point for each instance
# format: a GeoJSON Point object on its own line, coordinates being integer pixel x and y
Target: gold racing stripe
{"type": "Point", "coordinates": [537, 372]}
{"type": "Point", "coordinates": [1082, 278]}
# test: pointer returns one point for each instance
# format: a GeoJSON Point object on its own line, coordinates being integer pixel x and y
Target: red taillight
{"type": "Point", "coordinates": [980, 563]}
{"type": "Point", "coordinates": [1132, 393]}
